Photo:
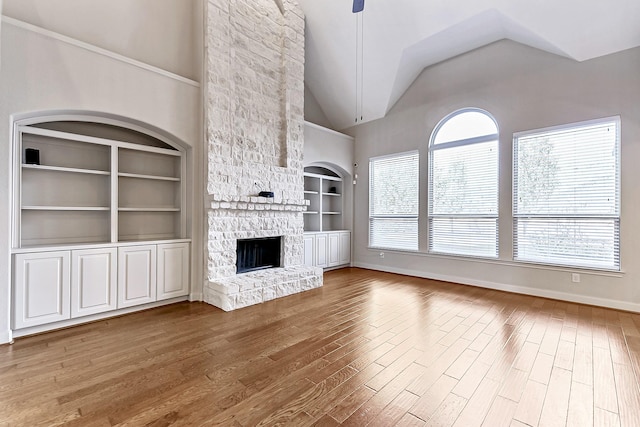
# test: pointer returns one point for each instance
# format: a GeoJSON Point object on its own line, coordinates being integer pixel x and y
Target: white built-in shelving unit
{"type": "Point", "coordinates": [323, 189]}
{"type": "Point", "coordinates": [96, 190]}
{"type": "Point", "coordinates": [327, 243]}
{"type": "Point", "coordinates": [96, 222]}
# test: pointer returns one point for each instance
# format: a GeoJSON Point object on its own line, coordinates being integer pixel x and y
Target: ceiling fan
{"type": "Point", "coordinates": [358, 6]}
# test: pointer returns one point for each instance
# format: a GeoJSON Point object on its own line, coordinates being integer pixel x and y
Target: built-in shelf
{"type": "Point", "coordinates": [145, 209]}
{"type": "Point", "coordinates": [63, 169]}
{"type": "Point", "coordinates": [66, 208]}
{"type": "Point", "coordinates": [88, 189]}
{"type": "Point", "coordinates": [152, 177]}
{"type": "Point", "coordinates": [325, 213]}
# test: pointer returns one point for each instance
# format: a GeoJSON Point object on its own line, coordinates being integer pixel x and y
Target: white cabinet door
{"type": "Point", "coordinates": [93, 281]}
{"type": "Point", "coordinates": [309, 241]}
{"type": "Point", "coordinates": [173, 270]}
{"type": "Point", "coordinates": [41, 286]}
{"type": "Point", "coordinates": [345, 248]}
{"type": "Point", "coordinates": [136, 275]}
{"type": "Point", "coordinates": [334, 249]}
{"type": "Point", "coordinates": [321, 250]}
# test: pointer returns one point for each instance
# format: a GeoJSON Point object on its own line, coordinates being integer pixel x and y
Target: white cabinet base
{"type": "Point", "coordinates": [136, 275]}
{"type": "Point", "coordinates": [173, 271]}
{"type": "Point", "coordinates": [42, 286]}
{"type": "Point", "coordinates": [81, 283]}
{"type": "Point", "coordinates": [93, 281]}
{"type": "Point", "coordinates": [327, 249]}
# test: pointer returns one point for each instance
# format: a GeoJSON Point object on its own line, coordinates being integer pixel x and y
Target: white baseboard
{"type": "Point", "coordinates": [196, 297]}
{"type": "Point", "coordinates": [543, 293]}
{"type": "Point", "coordinates": [92, 318]}
{"type": "Point", "coordinates": [5, 337]}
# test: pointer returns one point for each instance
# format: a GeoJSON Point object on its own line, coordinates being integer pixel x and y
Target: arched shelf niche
{"type": "Point", "coordinates": [324, 187]}
{"type": "Point", "coordinates": [86, 177]}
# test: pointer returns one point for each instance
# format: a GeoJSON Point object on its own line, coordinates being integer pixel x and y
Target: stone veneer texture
{"type": "Point", "coordinates": [255, 142]}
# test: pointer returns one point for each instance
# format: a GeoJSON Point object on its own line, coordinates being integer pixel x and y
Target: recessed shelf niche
{"type": "Point", "coordinates": [91, 188]}
{"type": "Point", "coordinates": [323, 189]}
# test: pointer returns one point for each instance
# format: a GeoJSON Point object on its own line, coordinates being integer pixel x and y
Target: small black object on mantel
{"type": "Point", "coordinates": [268, 194]}
{"type": "Point", "coordinates": [31, 156]}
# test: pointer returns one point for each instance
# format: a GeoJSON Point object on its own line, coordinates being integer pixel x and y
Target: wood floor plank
{"type": "Point", "coordinates": [448, 412]}
{"type": "Point", "coordinates": [531, 402]}
{"type": "Point", "coordinates": [628, 395]}
{"type": "Point", "coordinates": [514, 385]}
{"type": "Point", "coordinates": [583, 360]}
{"type": "Point", "coordinates": [500, 413]}
{"type": "Point", "coordinates": [604, 388]}
{"type": "Point", "coordinates": [368, 348]}
{"type": "Point", "coordinates": [556, 402]}
{"type": "Point", "coordinates": [429, 402]}
{"type": "Point", "coordinates": [580, 412]}
{"type": "Point", "coordinates": [478, 406]}
{"type": "Point", "coordinates": [541, 369]}
{"type": "Point", "coordinates": [602, 418]}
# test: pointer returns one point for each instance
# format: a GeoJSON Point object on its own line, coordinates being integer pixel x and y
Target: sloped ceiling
{"type": "Point", "coordinates": [402, 37]}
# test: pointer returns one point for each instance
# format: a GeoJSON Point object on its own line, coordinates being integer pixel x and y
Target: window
{"type": "Point", "coordinates": [393, 201]}
{"type": "Point", "coordinates": [463, 185]}
{"type": "Point", "coordinates": [566, 195]}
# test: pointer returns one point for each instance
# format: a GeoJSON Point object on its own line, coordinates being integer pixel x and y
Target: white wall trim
{"type": "Point", "coordinates": [543, 293]}
{"type": "Point", "coordinates": [196, 297]}
{"type": "Point", "coordinates": [5, 337]}
{"type": "Point", "coordinates": [331, 131]}
{"type": "Point", "coordinates": [96, 49]}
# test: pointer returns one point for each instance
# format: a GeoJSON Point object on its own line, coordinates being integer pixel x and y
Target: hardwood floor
{"type": "Point", "coordinates": [368, 348]}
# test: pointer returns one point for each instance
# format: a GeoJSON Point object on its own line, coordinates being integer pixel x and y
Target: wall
{"type": "Point", "coordinates": [5, 334]}
{"type": "Point", "coordinates": [157, 32]}
{"type": "Point", "coordinates": [41, 71]}
{"type": "Point", "coordinates": [324, 146]}
{"type": "Point", "coordinates": [523, 88]}
{"type": "Point", "coordinates": [312, 110]}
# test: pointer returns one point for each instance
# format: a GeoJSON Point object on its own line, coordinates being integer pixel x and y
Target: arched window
{"type": "Point", "coordinates": [463, 185]}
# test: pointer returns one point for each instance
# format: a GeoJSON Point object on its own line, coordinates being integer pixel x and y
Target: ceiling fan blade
{"type": "Point", "coordinates": [358, 6]}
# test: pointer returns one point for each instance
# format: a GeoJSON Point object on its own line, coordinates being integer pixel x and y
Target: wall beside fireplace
{"type": "Point", "coordinates": [45, 71]}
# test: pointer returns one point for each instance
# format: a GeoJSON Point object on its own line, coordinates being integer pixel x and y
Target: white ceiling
{"type": "Point", "coordinates": [402, 37]}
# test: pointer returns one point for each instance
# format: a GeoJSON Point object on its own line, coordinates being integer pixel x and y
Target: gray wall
{"type": "Point", "coordinates": [523, 88]}
{"type": "Point", "coordinates": [162, 33]}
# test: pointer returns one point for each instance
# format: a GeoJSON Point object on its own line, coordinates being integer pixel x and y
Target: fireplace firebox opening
{"type": "Point", "coordinates": [258, 254]}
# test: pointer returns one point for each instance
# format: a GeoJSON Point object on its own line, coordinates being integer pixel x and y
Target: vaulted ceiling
{"type": "Point", "coordinates": [402, 37]}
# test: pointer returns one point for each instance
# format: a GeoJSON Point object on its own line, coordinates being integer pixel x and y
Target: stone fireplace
{"type": "Point", "coordinates": [255, 140]}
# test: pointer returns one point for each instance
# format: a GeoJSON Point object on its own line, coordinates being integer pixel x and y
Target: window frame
{"type": "Point", "coordinates": [514, 190]}
{"type": "Point", "coordinates": [398, 216]}
{"type": "Point", "coordinates": [454, 144]}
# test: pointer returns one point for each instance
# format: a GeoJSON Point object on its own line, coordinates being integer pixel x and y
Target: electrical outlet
{"type": "Point", "coordinates": [381, 254]}
{"type": "Point", "coordinates": [575, 277]}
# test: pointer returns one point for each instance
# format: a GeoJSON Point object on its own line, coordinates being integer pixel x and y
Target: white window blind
{"type": "Point", "coordinates": [463, 185]}
{"type": "Point", "coordinates": [393, 201]}
{"type": "Point", "coordinates": [566, 188]}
